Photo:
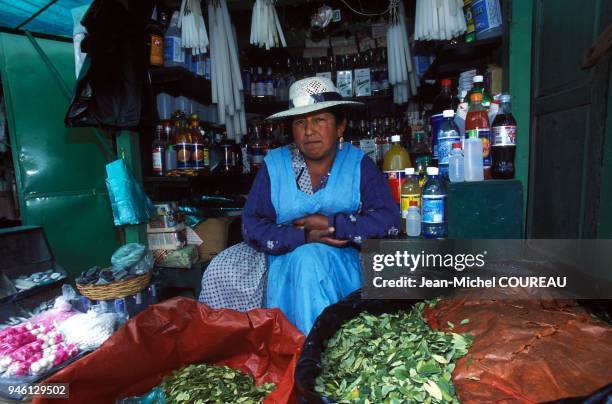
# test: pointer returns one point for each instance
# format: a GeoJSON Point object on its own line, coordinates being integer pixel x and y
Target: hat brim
{"type": "Point", "coordinates": [312, 108]}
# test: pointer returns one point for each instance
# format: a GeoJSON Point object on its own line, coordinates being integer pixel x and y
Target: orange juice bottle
{"type": "Point", "coordinates": [396, 161]}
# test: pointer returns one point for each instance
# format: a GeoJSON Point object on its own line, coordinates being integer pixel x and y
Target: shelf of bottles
{"type": "Point", "coordinates": [361, 76]}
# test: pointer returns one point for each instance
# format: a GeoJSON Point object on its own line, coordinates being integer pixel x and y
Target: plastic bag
{"type": "Point", "coordinates": [526, 350]}
{"type": "Point", "coordinates": [78, 34]}
{"type": "Point", "coordinates": [129, 202]}
{"type": "Point", "coordinates": [178, 332]}
{"type": "Point", "coordinates": [326, 325]}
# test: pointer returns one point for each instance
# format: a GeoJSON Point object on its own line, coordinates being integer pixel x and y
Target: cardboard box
{"type": "Point", "coordinates": [167, 240]}
{"type": "Point", "coordinates": [165, 216]}
{"type": "Point", "coordinates": [213, 233]}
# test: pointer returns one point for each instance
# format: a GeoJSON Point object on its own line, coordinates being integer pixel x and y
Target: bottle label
{"type": "Point", "coordinates": [436, 122]}
{"type": "Point", "coordinates": [344, 82]}
{"type": "Point", "coordinates": [269, 88]}
{"type": "Point", "coordinates": [157, 50]}
{"type": "Point", "coordinates": [256, 154]}
{"type": "Point", "coordinates": [158, 167]}
{"type": "Point", "coordinates": [260, 89]}
{"type": "Point", "coordinates": [363, 87]}
{"type": "Point", "coordinates": [445, 145]}
{"type": "Point", "coordinates": [200, 157]}
{"type": "Point", "coordinates": [407, 198]}
{"type": "Point", "coordinates": [395, 180]}
{"type": "Point", "coordinates": [183, 156]}
{"type": "Point", "coordinates": [504, 135]}
{"type": "Point", "coordinates": [433, 208]}
{"type": "Point", "coordinates": [485, 136]}
{"type": "Point", "coordinates": [325, 74]}
{"type": "Point", "coordinates": [368, 146]}
{"type": "Point", "coordinates": [173, 52]}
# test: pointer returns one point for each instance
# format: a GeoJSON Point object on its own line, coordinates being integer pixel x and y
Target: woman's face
{"type": "Point", "coordinates": [316, 134]}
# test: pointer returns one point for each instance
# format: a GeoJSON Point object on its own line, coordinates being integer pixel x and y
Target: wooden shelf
{"type": "Point", "coordinates": [453, 59]}
{"type": "Point", "coordinates": [178, 81]}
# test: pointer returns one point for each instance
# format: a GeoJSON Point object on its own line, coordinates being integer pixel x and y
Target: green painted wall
{"type": "Point", "coordinates": [604, 228]}
{"type": "Point", "coordinates": [60, 172]}
{"type": "Point", "coordinates": [519, 49]}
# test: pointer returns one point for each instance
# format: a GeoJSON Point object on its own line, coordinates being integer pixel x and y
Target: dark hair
{"type": "Point", "coordinates": [338, 112]}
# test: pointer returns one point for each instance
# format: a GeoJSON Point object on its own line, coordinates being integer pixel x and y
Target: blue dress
{"type": "Point", "coordinates": [313, 276]}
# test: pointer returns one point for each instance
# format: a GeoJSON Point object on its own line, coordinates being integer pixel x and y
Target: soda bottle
{"type": "Point", "coordinates": [504, 140]}
{"type": "Point", "coordinates": [256, 149]}
{"type": "Point", "coordinates": [478, 87]}
{"type": "Point", "coordinates": [443, 101]}
{"type": "Point", "coordinates": [396, 161]}
{"type": "Point", "coordinates": [158, 152]}
{"type": "Point", "coordinates": [448, 134]}
{"type": "Point", "coordinates": [456, 166]}
{"type": "Point", "coordinates": [411, 192]}
{"type": "Point", "coordinates": [169, 152]}
{"type": "Point", "coordinates": [477, 124]}
{"type": "Point", "coordinates": [413, 220]}
{"type": "Point", "coordinates": [433, 206]}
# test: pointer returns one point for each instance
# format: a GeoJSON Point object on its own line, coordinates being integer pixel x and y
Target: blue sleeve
{"type": "Point", "coordinates": [379, 216]}
{"type": "Point", "coordinates": [259, 228]}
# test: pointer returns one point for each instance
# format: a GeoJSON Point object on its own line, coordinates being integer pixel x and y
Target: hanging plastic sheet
{"type": "Point", "coordinates": [178, 332]}
{"type": "Point", "coordinates": [129, 202]}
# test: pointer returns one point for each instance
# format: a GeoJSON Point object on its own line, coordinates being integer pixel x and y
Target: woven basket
{"type": "Point", "coordinates": [115, 290]}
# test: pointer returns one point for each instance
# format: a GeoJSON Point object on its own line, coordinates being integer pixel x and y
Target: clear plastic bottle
{"type": "Point", "coordinates": [472, 159]}
{"type": "Point", "coordinates": [456, 166]}
{"type": "Point", "coordinates": [433, 201]}
{"type": "Point", "coordinates": [413, 220]}
{"type": "Point", "coordinates": [411, 192]}
{"type": "Point", "coordinates": [174, 54]}
{"type": "Point", "coordinates": [448, 134]}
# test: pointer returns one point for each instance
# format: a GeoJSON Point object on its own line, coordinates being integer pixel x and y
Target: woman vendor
{"type": "Point", "coordinates": [311, 205]}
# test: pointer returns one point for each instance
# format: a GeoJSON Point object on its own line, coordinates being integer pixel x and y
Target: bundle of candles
{"type": "Point", "coordinates": [266, 31]}
{"type": "Point", "coordinates": [401, 73]}
{"type": "Point", "coordinates": [193, 29]}
{"type": "Point", "coordinates": [225, 71]}
{"type": "Point", "coordinates": [439, 20]}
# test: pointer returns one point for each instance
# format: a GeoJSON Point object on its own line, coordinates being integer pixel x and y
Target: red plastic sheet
{"type": "Point", "coordinates": [526, 350]}
{"type": "Point", "coordinates": [178, 332]}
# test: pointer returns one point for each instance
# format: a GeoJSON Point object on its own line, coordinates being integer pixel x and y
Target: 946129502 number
{"type": "Point", "coordinates": [51, 390]}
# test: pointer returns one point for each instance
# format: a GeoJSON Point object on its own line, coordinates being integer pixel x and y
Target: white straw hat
{"type": "Point", "coordinates": [312, 94]}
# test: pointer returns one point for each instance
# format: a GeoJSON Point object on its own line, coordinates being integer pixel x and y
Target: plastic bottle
{"type": "Point", "coordinates": [411, 192]}
{"type": "Point", "coordinates": [183, 144]}
{"type": "Point", "coordinates": [478, 87]}
{"type": "Point", "coordinates": [174, 54]}
{"type": "Point", "coordinates": [472, 149]}
{"type": "Point", "coordinates": [503, 136]}
{"type": "Point", "coordinates": [456, 166]}
{"type": "Point", "coordinates": [158, 152]}
{"type": "Point", "coordinates": [169, 153]}
{"type": "Point", "coordinates": [443, 101]}
{"type": "Point", "coordinates": [433, 209]}
{"type": "Point", "coordinates": [448, 134]}
{"type": "Point", "coordinates": [413, 220]}
{"type": "Point", "coordinates": [477, 124]}
{"type": "Point", "coordinates": [396, 161]}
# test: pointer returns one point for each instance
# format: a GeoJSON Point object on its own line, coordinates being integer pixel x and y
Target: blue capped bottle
{"type": "Point", "coordinates": [448, 134]}
{"type": "Point", "coordinates": [433, 206]}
